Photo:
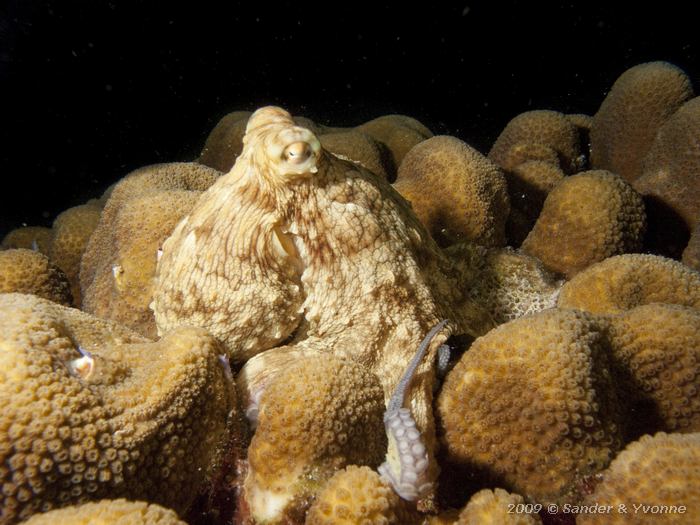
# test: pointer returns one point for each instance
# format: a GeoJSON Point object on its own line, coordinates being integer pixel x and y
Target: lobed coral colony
{"type": "Point", "coordinates": [369, 325]}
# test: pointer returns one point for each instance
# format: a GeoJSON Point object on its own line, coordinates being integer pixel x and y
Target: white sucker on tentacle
{"type": "Point", "coordinates": [406, 465]}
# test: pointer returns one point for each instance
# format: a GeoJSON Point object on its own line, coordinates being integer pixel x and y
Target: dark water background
{"type": "Point", "coordinates": [90, 90]}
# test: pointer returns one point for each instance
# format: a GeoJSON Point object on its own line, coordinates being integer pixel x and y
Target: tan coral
{"type": "Point", "coordinates": [359, 495]}
{"type": "Point", "coordinates": [691, 253]}
{"type": "Point", "coordinates": [456, 192]}
{"type": "Point", "coordinates": [671, 169]}
{"type": "Point", "coordinates": [361, 148]}
{"type": "Point", "coordinates": [585, 219]}
{"type": "Point", "coordinates": [626, 281]}
{"type": "Point", "coordinates": [320, 415]}
{"type": "Point", "coordinates": [37, 238]}
{"type": "Point", "coordinates": [532, 405]}
{"type": "Point", "coordinates": [529, 183]}
{"type": "Point", "coordinates": [638, 104]}
{"type": "Point", "coordinates": [119, 262]}
{"type": "Point", "coordinates": [92, 410]}
{"type": "Point", "coordinates": [656, 479]}
{"type": "Point", "coordinates": [71, 232]}
{"type": "Point", "coordinates": [30, 272]}
{"type": "Point", "coordinates": [497, 507]}
{"type": "Point", "coordinates": [108, 512]}
{"type": "Point", "coordinates": [398, 132]}
{"type": "Point", "coordinates": [657, 348]}
{"type": "Point", "coordinates": [539, 132]}
{"type": "Point", "coordinates": [225, 141]}
{"type": "Point", "coordinates": [123, 286]}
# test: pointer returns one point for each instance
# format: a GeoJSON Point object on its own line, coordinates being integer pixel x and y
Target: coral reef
{"type": "Point", "coordinates": [120, 260]}
{"type": "Point", "coordinates": [359, 495]}
{"type": "Point", "coordinates": [626, 281]}
{"type": "Point", "coordinates": [652, 478]}
{"type": "Point", "coordinates": [495, 507]}
{"type": "Point", "coordinates": [532, 405]}
{"type": "Point", "coordinates": [30, 272]}
{"type": "Point", "coordinates": [108, 512]}
{"type": "Point", "coordinates": [585, 219]}
{"type": "Point", "coordinates": [538, 135]}
{"type": "Point", "coordinates": [657, 349]}
{"type": "Point", "coordinates": [319, 415]}
{"type": "Point", "coordinates": [70, 234]}
{"type": "Point", "coordinates": [399, 133]}
{"type": "Point", "coordinates": [225, 141]}
{"type": "Point", "coordinates": [638, 104]}
{"type": "Point", "coordinates": [37, 238]}
{"type": "Point", "coordinates": [92, 410]}
{"type": "Point", "coordinates": [691, 254]}
{"type": "Point", "coordinates": [361, 148]}
{"type": "Point", "coordinates": [456, 192]}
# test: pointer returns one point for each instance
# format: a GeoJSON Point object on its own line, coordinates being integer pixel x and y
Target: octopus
{"type": "Point", "coordinates": [297, 252]}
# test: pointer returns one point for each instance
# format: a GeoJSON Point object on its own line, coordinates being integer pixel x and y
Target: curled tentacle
{"type": "Point", "coordinates": [406, 465]}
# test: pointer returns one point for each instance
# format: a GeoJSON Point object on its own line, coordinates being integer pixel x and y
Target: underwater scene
{"type": "Point", "coordinates": [355, 265]}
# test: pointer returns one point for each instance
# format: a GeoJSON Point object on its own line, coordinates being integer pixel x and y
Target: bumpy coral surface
{"type": "Point", "coordinates": [585, 219]}
{"type": "Point", "coordinates": [361, 148]}
{"type": "Point", "coordinates": [92, 410]}
{"type": "Point", "coordinates": [123, 285]}
{"type": "Point", "coordinates": [71, 232]}
{"type": "Point", "coordinates": [318, 416]}
{"type": "Point", "coordinates": [691, 254]}
{"type": "Point", "coordinates": [496, 507]}
{"type": "Point", "coordinates": [119, 263]}
{"type": "Point", "coordinates": [656, 479]}
{"type": "Point", "coordinates": [358, 495]}
{"type": "Point", "coordinates": [638, 104]}
{"type": "Point", "coordinates": [532, 405]}
{"type": "Point", "coordinates": [108, 512]}
{"type": "Point", "coordinates": [398, 132]}
{"type": "Point", "coordinates": [456, 192]}
{"type": "Point", "coordinates": [538, 135]}
{"type": "Point", "coordinates": [626, 281]}
{"type": "Point", "coordinates": [30, 272]}
{"type": "Point", "coordinates": [671, 170]}
{"type": "Point", "coordinates": [35, 238]}
{"type": "Point", "coordinates": [225, 142]}
{"type": "Point", "coordinates": [657, 347]}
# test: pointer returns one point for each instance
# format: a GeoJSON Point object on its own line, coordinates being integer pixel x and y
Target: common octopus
{"type": "Point", "coordinates": [295, 252]}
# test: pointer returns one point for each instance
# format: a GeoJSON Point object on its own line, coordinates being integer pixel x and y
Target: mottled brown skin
{"type": "Point", "coordinates": [626, 281]}
{"type": "Point", "coordinates": [142, 420]}
{"type": "Point", "coordinates": [71, 232]}
{"type": "Point", "coordinates": [30, 238]}
{"type": "Point", "coordinates": [638, 104]}
{"type": "Point", "coordinates": [656, 348]}
{"type": "Point", "coordinates": [532, 406]}
{"type": "Point", "coordinates": [586, 218]}
{"type": "Point", "coordinates": [30, 272]}
{"type": "Point", "coordinates": [456, 192]}
{"type": "Point", "coordinates": [536, 132]}
{"type": "Point", "coordinates": [663, 469]}
{"type": "Point", "coordinates": [671, 169]}
{"type": "Point", "coordinates": [325, 261]}
{"type": "Point", "coordinates": [108, 512]}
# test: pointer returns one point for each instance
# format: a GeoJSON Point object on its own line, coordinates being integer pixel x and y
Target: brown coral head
{"type": "Point", "coordinates": [274, 142]}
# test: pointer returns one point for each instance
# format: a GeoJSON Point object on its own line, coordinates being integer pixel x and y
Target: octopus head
{"type": "Point", "coordinates": [285, 150]}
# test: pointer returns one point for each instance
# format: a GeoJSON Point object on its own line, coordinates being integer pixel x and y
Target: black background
{"type": "Point", "coordinates": [93, 89]}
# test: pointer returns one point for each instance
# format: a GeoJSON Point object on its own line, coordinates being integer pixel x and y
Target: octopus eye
{"type": "Point", "coordinates": [84, 366]}
{"type": "Point", "coordinates": [297, 152]}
